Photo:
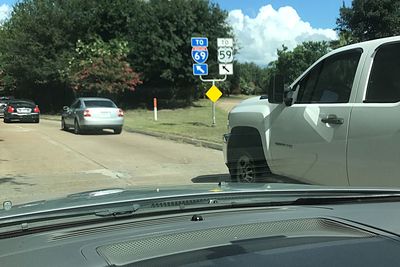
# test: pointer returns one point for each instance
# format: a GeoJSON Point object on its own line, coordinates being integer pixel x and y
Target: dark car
{"type": "Point", "coordinates": [21, 110]}
{"type": "Point", "coordinates": [3, 104]}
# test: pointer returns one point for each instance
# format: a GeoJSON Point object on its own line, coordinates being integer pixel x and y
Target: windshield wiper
{"type": "Point", "coordinates": [119, 211]}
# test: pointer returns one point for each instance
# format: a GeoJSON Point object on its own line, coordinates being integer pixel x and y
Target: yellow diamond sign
{"type": "Point", "coordinates": [214, 93]}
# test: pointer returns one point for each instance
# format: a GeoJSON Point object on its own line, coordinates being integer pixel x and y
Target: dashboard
{"type": "Point", "coordinates": [311, 235]}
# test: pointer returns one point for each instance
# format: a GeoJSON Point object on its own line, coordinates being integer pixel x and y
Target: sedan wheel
{"type": "Point", "coordinates": [117, 130]}
{"type": "Point", "coordinates": [63, 126]}
{"type": "Point", "coordinates": [77, 129]}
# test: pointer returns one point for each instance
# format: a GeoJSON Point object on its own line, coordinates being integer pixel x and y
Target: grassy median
{"type": "Point", "coordinates": [194, 122]}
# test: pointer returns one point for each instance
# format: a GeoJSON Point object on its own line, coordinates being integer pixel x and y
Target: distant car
{"type": "Point", "coordinates": [21, 110]}
{"type": "Point", "coordinates": [90, 113]}
{"type": "Point", "coordinates": [3, 104]}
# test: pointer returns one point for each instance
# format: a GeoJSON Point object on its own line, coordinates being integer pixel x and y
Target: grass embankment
{"type": "Point", "coordinates": [193, 122]}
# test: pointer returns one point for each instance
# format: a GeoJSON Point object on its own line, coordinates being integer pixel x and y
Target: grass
{"type": "Point", "coordinates": [194, 122]}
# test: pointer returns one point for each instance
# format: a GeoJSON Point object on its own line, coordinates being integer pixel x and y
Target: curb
{"type": "Point", "coordinates": [49, 119]}
{"type": "Point", "coordinates": [177, 138]}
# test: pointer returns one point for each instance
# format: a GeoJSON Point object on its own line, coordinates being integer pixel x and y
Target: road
{"type": "Point", "coordinates": [39, 161]}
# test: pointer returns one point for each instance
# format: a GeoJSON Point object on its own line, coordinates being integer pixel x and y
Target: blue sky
{"type": "Point", "coordinates": [263, 26]}
{"type": "Point", "coordinates": [319, 13]}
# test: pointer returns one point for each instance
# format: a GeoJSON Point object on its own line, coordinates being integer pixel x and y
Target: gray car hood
{"type": "Point", "coordinates": [116, 195]}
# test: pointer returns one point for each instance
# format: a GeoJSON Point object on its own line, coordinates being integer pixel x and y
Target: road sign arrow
{"type": "Point", "coordinates": [225, 69]}
{"type": "Point", "coordinates": [199, 68]}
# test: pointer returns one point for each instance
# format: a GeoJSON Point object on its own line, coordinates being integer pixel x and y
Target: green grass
{"type": "Point", "coordinates": [194, 122]}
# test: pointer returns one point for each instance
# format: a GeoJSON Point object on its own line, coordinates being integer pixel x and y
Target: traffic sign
{"type": "Point", "coordinates": [200, 69]}
{"type": "Point", "coordinates": [199, 41]}
{"type": "Point", "coordinates": [225, 54]}
{"type": "Point", "coordinates": [213, 93]}
{"type": "Point", "coordinates": [226, 69]}
{"type": "Point", "coordinates": [199, 54]}
{"type": "Point", "coordinates": [225, 42]}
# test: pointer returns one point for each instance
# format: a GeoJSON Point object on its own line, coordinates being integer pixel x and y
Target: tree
{"type": "Point", "coordinates": [159, 37]}
{"type": "Point", "coordinates": [291, 64]}
{"type": "Point", "coordinates": [40, 38]}
{"type": "Point", "coordinates": [369, 19]}
{"type": "Point", "coordinates": [100, 69]}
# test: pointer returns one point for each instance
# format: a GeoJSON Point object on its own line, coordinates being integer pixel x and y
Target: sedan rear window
{"type": "Point", "coordinates": [21, 104]}
{"type": "Point", "coordinates": [99, 104]}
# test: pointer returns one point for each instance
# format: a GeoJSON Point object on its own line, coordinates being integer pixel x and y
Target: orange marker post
{"type": "Point", "coordinates": [155, 108]}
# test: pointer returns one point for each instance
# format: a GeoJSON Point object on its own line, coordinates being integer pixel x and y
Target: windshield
{"type": "Point", "coordinates": [108, 96]}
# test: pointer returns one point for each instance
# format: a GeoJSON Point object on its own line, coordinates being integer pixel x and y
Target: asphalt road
{"type": "Point", "coordinates": [39, 161]}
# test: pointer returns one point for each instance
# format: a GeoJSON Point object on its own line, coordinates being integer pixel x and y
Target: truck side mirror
{"type": "Point", "coordinates": [275, 89]}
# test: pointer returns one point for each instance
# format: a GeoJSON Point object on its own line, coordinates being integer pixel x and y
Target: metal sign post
{"type": "Point", "coordinates": [200, 68]}
{"type": "Point", "coordinates": [213, 81]}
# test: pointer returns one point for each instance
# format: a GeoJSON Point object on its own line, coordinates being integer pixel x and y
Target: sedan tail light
{"type": "Point", "coordinates": [120, 113]}
{"type": "Point", "coordinates": [86, 113]}
{"type": "Point", "coordinates": [36, 109]}
{"type": "Point", "coordinates": [10, 109]}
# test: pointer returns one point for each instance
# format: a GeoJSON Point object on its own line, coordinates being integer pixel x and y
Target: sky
{"type": "Point", "coordinates": [262, 26]}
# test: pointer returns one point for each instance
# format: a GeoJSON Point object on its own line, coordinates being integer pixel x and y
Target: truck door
{"type": "Point", "coordinates": [308, 140]}
{"type": "Point", "coordinates": [374, 134]}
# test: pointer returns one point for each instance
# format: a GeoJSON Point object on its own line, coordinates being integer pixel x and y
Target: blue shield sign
{"type": "Point", "coordinates": [199, 54]}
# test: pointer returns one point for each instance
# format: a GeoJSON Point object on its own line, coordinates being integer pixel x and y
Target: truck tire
{"type": "Point", "coordinates": [248, 166]}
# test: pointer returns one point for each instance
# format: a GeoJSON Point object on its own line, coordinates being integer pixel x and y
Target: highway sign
{"type": "Point", "coordinates": [225, 42]}
{"type": "Point", "coordinates": [200, 69]}
{"type": "Point", "coordinates": [226, 69]}
{"type": "Point", "coordinates": [213, 93]}
{"type": "Point", "coordinates": [199, 41]}
{"type": "Point", "coordinates": [199, 54]}
{"type": "Point", "coordinates": [225, 54]}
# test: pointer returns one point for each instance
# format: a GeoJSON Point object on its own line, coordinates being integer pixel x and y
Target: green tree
{"type": "Point", "coordinates": [252, 78]}
{"type": "Point", "coordinates": [100, 69]}
{"type": "Point", "coordinates": [39, 40]}
{"type": "Point", "coordinates": [369, 19]}
{"type": "Point", "coordinates": [159, 38]}
{"type": "Point", "coordinates": [291, 64]}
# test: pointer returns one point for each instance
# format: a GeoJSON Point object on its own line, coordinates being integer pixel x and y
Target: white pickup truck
{"type": "Point", "coordinates": [337, 124]}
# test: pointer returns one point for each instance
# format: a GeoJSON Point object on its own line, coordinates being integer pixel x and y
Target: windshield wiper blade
{"type": "Point", "coordinates": [119, 211]}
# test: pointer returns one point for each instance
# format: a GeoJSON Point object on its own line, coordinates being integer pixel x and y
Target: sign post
{"type": "Point", "coordinates": [155, 108]}
{"type": "Point", "coordinates": [225, 58]}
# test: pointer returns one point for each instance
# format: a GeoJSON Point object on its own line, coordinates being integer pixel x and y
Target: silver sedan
{"type": "Point", "coordinates": [92, 113]}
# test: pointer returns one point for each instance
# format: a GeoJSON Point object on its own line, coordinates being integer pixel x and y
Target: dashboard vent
{"type": "Point", "coordinates": [136, 250]}
{"type": "Point", "coordinates": [113, 228]}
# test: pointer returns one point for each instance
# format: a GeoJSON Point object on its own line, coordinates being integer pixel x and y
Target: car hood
{"type": "Point", "coordinates": [118, 195]}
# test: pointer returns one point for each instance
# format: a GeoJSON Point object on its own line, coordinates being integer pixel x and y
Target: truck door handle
{"type": "Point", "coordinates": [332, 119]}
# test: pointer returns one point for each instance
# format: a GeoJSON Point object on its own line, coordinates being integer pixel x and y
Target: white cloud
{"type": "Point", "coordinates": [260, 37]}
{"type": "Point", "coordinates": [5, 12]}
